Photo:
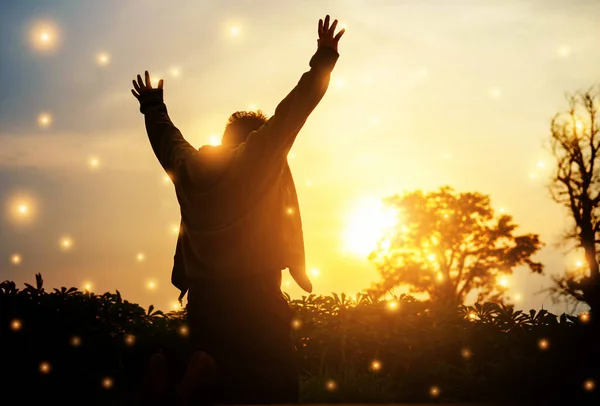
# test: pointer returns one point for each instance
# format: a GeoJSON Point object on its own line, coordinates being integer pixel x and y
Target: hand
{"type": "Point", "coordinates": [140, 88]}
{"type": "Point", "coordinates": [326, 38]}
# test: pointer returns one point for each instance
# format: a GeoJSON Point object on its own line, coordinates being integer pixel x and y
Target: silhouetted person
{"type": "Point", "coordinates": [240, 228]}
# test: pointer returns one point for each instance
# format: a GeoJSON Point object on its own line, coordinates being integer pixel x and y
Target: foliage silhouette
{"type": "Point", "coordinates": [487, 352]}
{"type": "Point", "coordinates": [575, 143]}
{"type": "Point", "coordinates": [447, 244]}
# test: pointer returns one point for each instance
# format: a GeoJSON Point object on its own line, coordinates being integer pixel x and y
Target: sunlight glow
{"type": "Point", "coordinates": [214, 140]}
{"type": "Point", "coordinates": [392, 305]}
{"type": "Point", "coordinates": [140, 257]}
{"type": "Point", "coordinates": [315, 272]}
{"type": "Point", "coordinates": [495, 93]}
{"type": "Point", "coordinates": [151, 285]}
{"type": "Point", "coordinates": [94, 162]}
{"type": "Point", "coordinates": [87, 287]}
{"type": "Point", "coordinates": [368, 222]}
{"type": "Point", "coordinates": [175, 72]}
{"type": "Point", "coordinates": [563, 51]}
{"type": "Point", "coordinates": [234, 31]}
{"type": "Point", "coordinates": [66, 243]}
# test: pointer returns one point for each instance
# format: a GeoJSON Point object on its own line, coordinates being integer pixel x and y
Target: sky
{"type": "Point", "coordinates": [424, 94]}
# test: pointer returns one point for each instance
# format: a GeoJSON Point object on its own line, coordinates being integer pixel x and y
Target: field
{"type": "Point", "coordinates": [73, 345]}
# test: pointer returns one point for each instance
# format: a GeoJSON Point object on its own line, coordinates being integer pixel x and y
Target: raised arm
{"type": "Point", "coordinates": [269, 146]}
{"type": "Point", "coordinates": [178, 157]}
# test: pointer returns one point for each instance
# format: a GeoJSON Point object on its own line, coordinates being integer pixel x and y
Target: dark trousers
{"type": "Point", "coordinates": [246, 328]}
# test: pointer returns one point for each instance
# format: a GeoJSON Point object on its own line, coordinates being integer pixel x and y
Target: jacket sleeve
{"type": "Point", "coordinates": [269, 146]}
{"type": "Point", "coordinates": [179, 158]}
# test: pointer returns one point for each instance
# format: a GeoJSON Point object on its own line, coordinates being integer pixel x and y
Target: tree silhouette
{"type": "Point", "coordinates": [448, 244]}
{"type": "Point", "coordinates": [575, 141]}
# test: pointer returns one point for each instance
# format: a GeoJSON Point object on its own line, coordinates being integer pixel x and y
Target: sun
{"type": "Point", "coordinates": [368, 222]}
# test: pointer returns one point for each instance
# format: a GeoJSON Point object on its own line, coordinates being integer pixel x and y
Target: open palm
{"type": "Point", "coordinates": [139, 88]}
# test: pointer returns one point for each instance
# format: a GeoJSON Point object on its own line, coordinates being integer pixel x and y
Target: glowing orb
{"type": "Point", "coordinates": [252, 107]}
{"type": "Point", "coordinates": [434, 391]}
{"type": "Point", "coordinates": [175, 72]}
{"type": "Point", "coordinates": [21, 209]}
{"type": "Point", "coordinates": [45, 367]}
{"type": "Point", "coordinates": [175, 229]}
{"type": "Point", "coordinates": [103, 59]}
{"type": "Point", "coordinates": [308, 183]}
{"type": "Point", "coordinates": [66, 243]}
{"type": "Point", "coordinates": [579, 264]}
{"type": "Point", "coordinates": [107, 383]}
{"type": "Point", "coordinates": [94, 162]}
{"type": "Point", "coordinates": [502, 210]}
{"type": "Point", "coordinates": [290, 210]}
{"type": "Point", "coordinates": [214, 140]}
{"type": "Point", "coordinates": [466, 353]}
{"type": "Point", "coordinates": [315, 272]}
{"type": "Point", "coordinates": [331, 385]}
{"type": "Point", "coordinates": [16, 325]}
{"type": "Point", "coordinates": [151, 285]}
{"type": "Point", "coordinates": [166, 179]}
{"type": "Point", "coordinates": [234, 31]}
{"type": "Point", "coordinates": [75, 341]}
{"type": "Point", "coordinates": [543, 344]}
{"type": "Point", "coordinates": [392, 305]}
{"type": "Point", "coordinates": [503, 282]}
{"type": "Point", "coordinates": [578, 124]}
{"type": "Point", "coordinates": [15, 259]}
{"type": "Point", "coordinates": [87, 287]}
{"type": "Point", "coordinates": [517, 297]}
{"type": "Point", "coordinates": [563, 51]}
{"type": "Point", "coordinates": [287, 283]}
{"type": "Point", "coordinates": [183, 330]}
{"type": "Point", "coordinates": [296, 324]}
{"type": "Point", "coordinates": [589, 385]}
{"type": "Point", "coordinates": [44, 36]}
{"type": "Point", "coordinates": [44, 120]}
{"type": "Point", "coordinates": [368, 222]}
{"type": "Point", "coordinates": [129, 339]}
{"type": "Point", "coordinates": [584, 317]}
{"type": "Point", "coordinates": [375, 366]}
{"type": "Point", "coordinates": [339, 83]}
{"type": "Point", "coordinates": [140, 257]}
{"type": "Point", "coordinates": [292, 155]}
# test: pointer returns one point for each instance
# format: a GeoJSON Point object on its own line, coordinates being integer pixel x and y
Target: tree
{"type": "Point", "coordinates": [447, 244]}
{"type": "Point", "coordinates": [575, 141]}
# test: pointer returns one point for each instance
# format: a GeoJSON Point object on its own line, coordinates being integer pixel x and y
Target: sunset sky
{"type": "Point", "coordinates": [424, 94]}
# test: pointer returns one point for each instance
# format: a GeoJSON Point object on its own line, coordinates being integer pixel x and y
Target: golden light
{"type": "Point", "coordinates": [472, 316]}
{"type": "Point", "coordinates": [423, 73]}
{"type": "Point", "coordinates": [434, 391]}
{"type": "Point", "coordinates": [175, 228]}
{"type": "Point", "coordinates": [234, 31]}
{"type": "Point", "coordinates": [15, 259]}
{"type": "Point", "coordinates": [45, 367]}
{"type": "Point", "coordinates": [440, 276]}
{"type": "Point", "coordinates": [175, 72]}
{"type": "Point", "coordinates": [94, 162]}
{"type": "Point", "coordinates": [107, 383]}
{"type": "Point", "coordinates": [129, 339]}
{"type": "Point", "coordinates": [44, 120]}
{"type": "Point", "coordinates": [466, 353]}
{"type": "Point", "coordinates": [16, 325]}
{"type": "Point", "coordinates": [176, 306]}
{"type": "Point", "coordinates": [183, 330]}
{"type": "Point", "coordinates": [308, 183]}
{"type": "Point", "coordinates": [579, 124]}
{"type": "Point", "coordinates": [214, 139]}
{"type": "Point", "coordinates": [563, 51]}
{"type": "Point", "coordinates": [431, 257]}
{"type": "Point", "coordinates": [44, 36]}
{"type": "Point", "coordinates": [154, 81]}
{"type": "Point", "coordinates": [287, 283]}
{"type": "Point", "coordinates": [368, 222]}
{"type": "Point", "coordinates": [87, 287]}
{"type": "Point", "coordinates": [503, 282]}
{"type": "Point", "coordinates": [66, 243]}
{"type": "Point", "coordinates": [151, 285]}
{"type": "Point", "coordinates": [532, 176]}
{"type": "Point", "coordinates": [584, 317]}
{"type": "Point", "coordinates": [517, 297]}
{"type": "Point", "coordinates": [103, 59]}
{"type": "Point", "coordinates": [292, 155]}
{"type": "Point", "coordinates": [579, 263]}
{"type": "Point", "coordinates": [140, 257]}
{"type": "Point", "coordinates": [589, 385]}
{"type": "Point", "coordinates": [495, 93]}
{"type": "Point", "coordinates": [315, 272]}
{"type": "Point", "coordinates": [543, 344]}
{"type": "Point", "coordinates": [392, 305]}
{"type": "Point", "coordinates": [252, 107]}
{"type": "Point", "coordinates": [75, 341]}
{"type": "Point", "coordinates": [339, 83]}
{"type": "Point", "coordinates": [375, 366]}
{"type": "Point", "coordinates": [296, 324]}
{"type": "Point", "coordinates": [331, 385]}
{"type": "Point", "coordinates": [21, 209]}
{"type": "Point", "coordinates": [447, 155]}
{"type": "Point", "coordinates": [375, 120]}
{"type": "Point", "coordinates": [502, 210]}
{"type": "Point", "coordinates": [290, 210]}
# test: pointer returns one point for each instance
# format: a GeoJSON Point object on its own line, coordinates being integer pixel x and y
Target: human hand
{"type": "Point", "coordinates": [141, 89]}
{"type": "Point", "coordinates": [326, 38]}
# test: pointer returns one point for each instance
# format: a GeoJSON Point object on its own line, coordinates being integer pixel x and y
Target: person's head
{"type": "Point", "coordinates": [240, 125]}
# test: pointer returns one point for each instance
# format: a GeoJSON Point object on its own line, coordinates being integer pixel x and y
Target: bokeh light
{"type": "Point", "coordinates": [589, 385]}
{"type": "Point", "coordinates": [103, 59]}
{"type": "Point", "coordinates": [331, 385]}
{"type": "Point", "coordinates": [129, 339]}
{"type": "Point", "coordinates": [434, 391]}
{"type": "Point", "coordinates": [543, 344]}
{"type": "Point", "coordinates": [107, 382]}
{"type": "Point", "coordinates": [375, 365]}
{"type": "Point", "coordinates": [45, 367]}
{"type": "Point", "coordinates": [21, 209]}
{"type": "Point", "coordinates": [16, 259]}
{"type": "Point", "coordinates": [44, 120]}
{"type": "Point", "coordinates": [16, 325]}
{"type": "Point", "coordinates": [75, 341]}
{"type": "Point", "coordinates": [140, 257]}
{"type": "Point", "coordinates": [94, 162]}
{"type": "Point", "coordinates": [44, 36]}
{"type": "Point", "coordinates": [66, 243]}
